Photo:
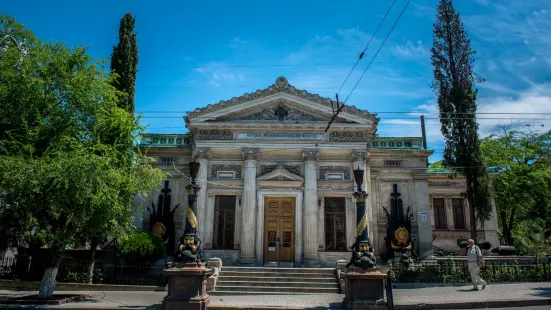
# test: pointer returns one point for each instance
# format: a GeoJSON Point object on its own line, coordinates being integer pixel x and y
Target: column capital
{"type": "Point", "coordinates": [360, 156]}
{"type": "Point", "coordinates": [250, 154]}
{"type": "Point", "coordinates": [202, 153]}
{"type": "Point", "coordinates": [310, 155]}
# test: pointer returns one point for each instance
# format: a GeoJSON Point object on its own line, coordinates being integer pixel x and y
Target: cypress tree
{"type": "Point", "coordinates": [124, 62]}
{"type": "Point", "coordinates": [454, 84]}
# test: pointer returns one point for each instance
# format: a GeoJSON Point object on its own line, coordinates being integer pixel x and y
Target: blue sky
{"type": "Point", "coordinates": [192, 54]}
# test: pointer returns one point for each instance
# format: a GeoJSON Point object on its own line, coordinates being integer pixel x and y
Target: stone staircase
{"type": "Point", "coordinates": [276, 281]}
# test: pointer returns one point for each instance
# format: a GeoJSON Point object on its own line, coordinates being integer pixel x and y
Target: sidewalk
{"type": "Point", "coordinates": [508, 295]}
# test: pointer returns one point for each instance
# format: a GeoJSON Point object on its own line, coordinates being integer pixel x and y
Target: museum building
{"type": "Point", "coordinates": [277, 189]}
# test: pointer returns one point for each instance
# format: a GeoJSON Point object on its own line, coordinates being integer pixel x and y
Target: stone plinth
{"type": "Point", "coordinates": [364, 289]}
{"type": "Point", "coordinates": [187, 287]}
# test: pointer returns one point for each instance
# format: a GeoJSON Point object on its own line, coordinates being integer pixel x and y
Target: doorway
{"type": "Point", "coordinates": [279, 230]}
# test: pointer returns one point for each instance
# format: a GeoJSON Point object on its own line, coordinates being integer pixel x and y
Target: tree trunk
{"type": "Point", "coordinates": [47, 286]}
{"type": "Point", "coordinates": [505, 227]}
{"type": "Point", "coordinates": [93, 248]}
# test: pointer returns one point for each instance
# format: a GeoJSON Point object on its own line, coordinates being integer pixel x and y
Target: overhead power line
{"type": "Point", "coordinates": [367, 45]}
{"type": "Point", "coordinates": [339, 108]}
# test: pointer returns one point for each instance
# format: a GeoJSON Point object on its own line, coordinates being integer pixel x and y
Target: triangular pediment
{"type": "Point", "coordinates": [280, 173]}
{"type": "Point", "coordinates": [260, 105]}
{"type": "Point", "coordinates": [280, 110]}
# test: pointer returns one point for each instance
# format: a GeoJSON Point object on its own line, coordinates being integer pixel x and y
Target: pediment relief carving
{"type": "Point", "coordinates": [281, 111]}
{"type": "Point", "coordinates": [280, 173]}
{"type": "Point", "coordinates": [281, 85]}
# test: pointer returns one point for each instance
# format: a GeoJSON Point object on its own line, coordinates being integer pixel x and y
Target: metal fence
{"type": "Point", "coordinates": [458, 272]}
{"type": "Point", "coordinates": [120, 272]}
{"type": "Point", "coordinates": [77, 271]}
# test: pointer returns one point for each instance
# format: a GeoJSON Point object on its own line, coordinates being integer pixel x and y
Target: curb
{"type": "Point", "coordinates": [459, 305]}
{"type": "Point", "coordinates": [61, 286]}
{"type": "Point", "coordinates": [478, 304]}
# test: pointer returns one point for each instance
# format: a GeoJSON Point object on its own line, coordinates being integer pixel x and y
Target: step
{"type": "Point", "coordinates": [279, 269]}
{"type": "Point", "coordinates": [276, 274]}
{"type": "Point", "coordinates": [275, 284]}
{"type": "Point", "coordinates": [276, 279]}
{"type": "Point", "coordinates": [277, 289]}
{"type": "Point", "coordinates": [231, 293]}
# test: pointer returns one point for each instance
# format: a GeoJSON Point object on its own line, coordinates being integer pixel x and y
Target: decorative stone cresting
{"type": "Point", "coordinates": [290, 115]}
{"type": "Point", "coordinates": [347, 137]}
{"type": "Point", "coordinates": [270, 168]}
{"type": "Point", "coordinates": [249, 154]}
{"type": "Point", "coordinates": [310, 155]}
{"type": "Point", "coordinates": [213, 135]}
{"type": "Point", "coordinates": [234, 168]}
{"type": "Point", "coordinates": [280, 85]}
{"type": "Point", "coordinates": [360, 156]}
{"type": "Point", "coordinates": [280, 173]}
{"type": "Point", "coordinates": [201, 153]}
{"type": "Point", "coordinates": [334, 169]}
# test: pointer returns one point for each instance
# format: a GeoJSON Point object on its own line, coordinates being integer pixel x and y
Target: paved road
{"type": "Point", "coordinates": [523, 308]}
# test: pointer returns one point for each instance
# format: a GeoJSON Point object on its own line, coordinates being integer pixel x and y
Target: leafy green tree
{"type": "Point", "coordinates": [454, 83]}
{"type": "Point", "coordinates": [124, 62]}
{"type": "Point", "coordinates": [60, 169]}
{"type": "Point", "coordinates": [523, 187]}
{"type": "Point", "coordinates": [532, 237]}
{"type": "Point", "coordinates": [141, 247]}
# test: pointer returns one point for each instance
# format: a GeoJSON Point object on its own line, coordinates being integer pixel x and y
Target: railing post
{"type": "Point", "coordinates": [389, 295]}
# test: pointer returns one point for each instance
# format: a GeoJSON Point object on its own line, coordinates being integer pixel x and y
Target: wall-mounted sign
{"type": "Point", "coordinates": [279, 136]}
{"type": "Point", "coordinates": [423, 216]}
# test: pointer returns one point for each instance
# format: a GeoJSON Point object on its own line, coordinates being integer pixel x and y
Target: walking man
{"type": "Point", "coordinates": [474, 256]}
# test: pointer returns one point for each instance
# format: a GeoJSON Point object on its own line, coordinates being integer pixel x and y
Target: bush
{"type": "Point", "coordinates": [141, 247]}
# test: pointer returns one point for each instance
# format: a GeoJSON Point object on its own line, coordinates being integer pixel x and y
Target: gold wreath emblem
{"type": "Point", "coordinates": [401, 235]}
{"type": "Point", "coordinates": [158, 229]}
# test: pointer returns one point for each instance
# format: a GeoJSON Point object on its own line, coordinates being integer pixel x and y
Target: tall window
{"type": "Point", "coordinates": [458, 213]}
{"type": "Point", "coordinates": [335, 224]}
{"type": "Point", "coordinates": [224, 222]}
{"type": "Point", "coordinates": [439, 213]}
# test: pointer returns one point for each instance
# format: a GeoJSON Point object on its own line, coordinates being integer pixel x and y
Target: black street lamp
{"type": "Point", "coordinates": [362, 255]}
{"type": "Point", "coordinates": [362, 231]}
{"type": "Point", "coordinates": [189, 247]}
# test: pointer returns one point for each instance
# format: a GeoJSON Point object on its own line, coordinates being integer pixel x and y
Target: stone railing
{"type": "Point", "coordinates": [161, 140]}
{"type": "Point", "coordinates": [398, 143]}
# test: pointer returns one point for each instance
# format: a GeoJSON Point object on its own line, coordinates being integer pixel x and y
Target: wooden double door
{"type": "Point", "coordinates": [279, 229]}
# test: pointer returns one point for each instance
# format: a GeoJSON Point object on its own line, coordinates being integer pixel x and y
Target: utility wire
{"type": "Point", "coordinates": [377, 52]}
{"type": "Point", "coordinates": [367, 45]}
{"type": "Point", "coordinates": [389, 112]}
{"type": "Point", "coordinates": [339, 108]}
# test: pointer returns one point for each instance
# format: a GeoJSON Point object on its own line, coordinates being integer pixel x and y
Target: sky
{"type": "Point", "coordinates": [194, 53]}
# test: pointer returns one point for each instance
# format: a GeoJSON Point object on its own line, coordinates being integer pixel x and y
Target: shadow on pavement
{"type": "Point", "coordinates": [542, 291]}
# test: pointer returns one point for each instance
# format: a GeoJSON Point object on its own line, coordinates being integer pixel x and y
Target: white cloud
{"type": "Point", "coordinates": [536, 100]}
{"type": "Point", "coordinates": [411, 50]}
{"type": "Point", "coordinates": [483, 2]}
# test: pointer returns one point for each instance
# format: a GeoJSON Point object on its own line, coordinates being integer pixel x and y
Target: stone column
{"type": "Point", "coordinates": [202, 156]}
{"type": "Point", "coordinates": [208, 235]}
{"type": "Point", "coordinates": [248, 208]}
{"type": "Point", "coordinates": [359, 161]}
{"type": "Point", "coordinates": [450, 224]}
{"type": "Point", "coordinates": [310, 215]}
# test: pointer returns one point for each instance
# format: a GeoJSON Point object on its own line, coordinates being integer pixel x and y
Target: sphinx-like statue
{"type": "Point", "coordinates": [189, 250]}
{"type": "Point", "coordinates": [363, 256]}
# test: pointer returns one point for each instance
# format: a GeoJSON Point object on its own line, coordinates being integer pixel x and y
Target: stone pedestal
{"type": "Point", "coordinates": [187, 287]}
{"type": "Point", "coordinates": [365, 289]}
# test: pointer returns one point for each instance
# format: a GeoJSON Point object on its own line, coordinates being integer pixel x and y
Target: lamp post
{"type": "Point", "coordinates": [362, 230]}
{"type": "Point", "coordinates": [192, 190]}
{"type": "Point", "coordinates": [187, 275]}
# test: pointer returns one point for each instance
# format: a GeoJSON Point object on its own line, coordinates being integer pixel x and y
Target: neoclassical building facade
{"type": "Point", "coordinates": [277, 188]}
